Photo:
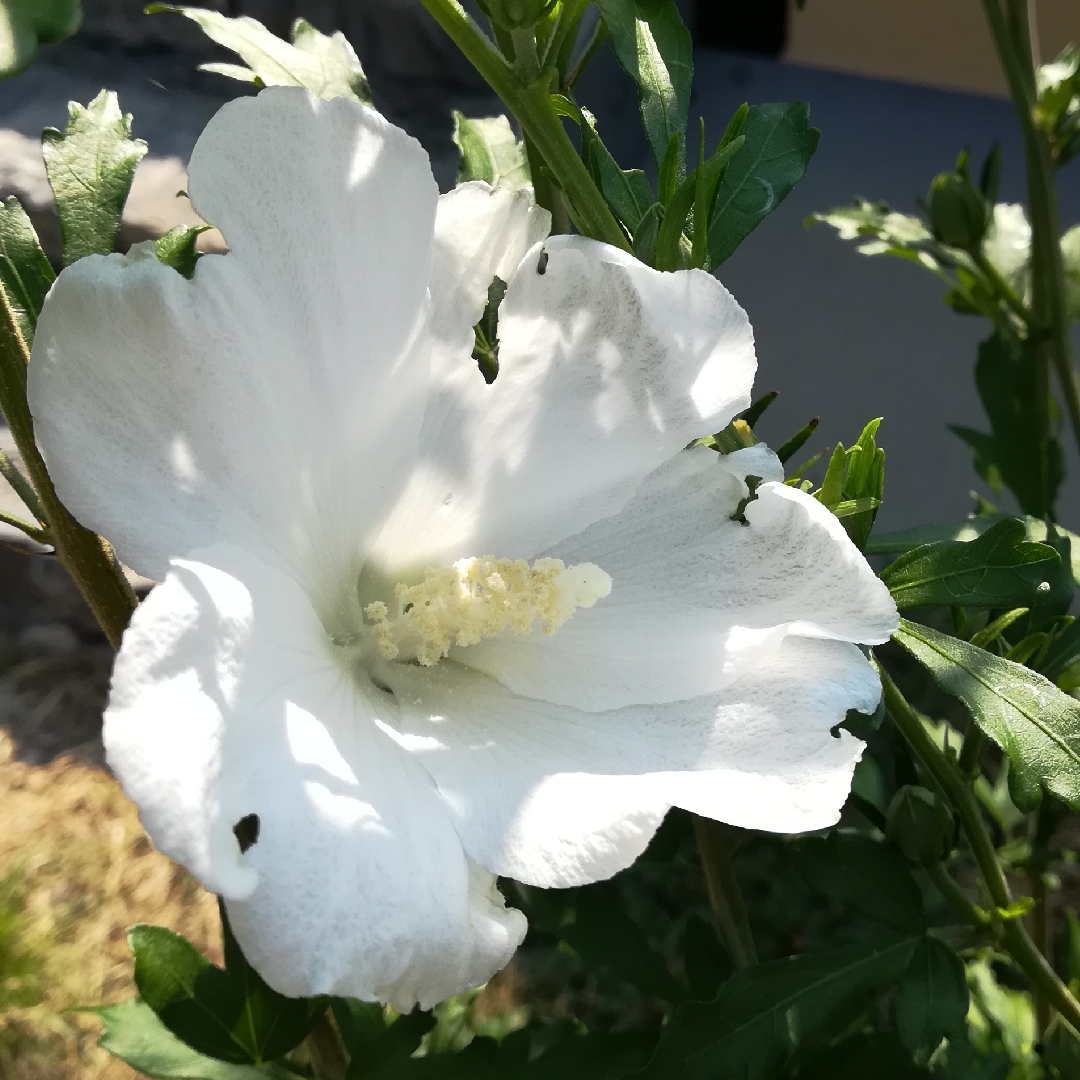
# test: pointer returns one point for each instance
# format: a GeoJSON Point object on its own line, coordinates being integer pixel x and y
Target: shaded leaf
{"type": "Point", "coordinates": [878, 1054]}
{"type": "Point", "coordinates": [25, 273]}
{"type": "Point", "coordinates": [763, 1012]}
{"type": "Point", "coordinates": [868, 874]}
{"type": "Point", "coordinates": [932, 999]}
{"type": "Point", "coordinates": [90, 165]}
{"type": "Point", "coordinates": [655, 49]}
{"type": "Point", "coordinates": [996, 570]}
{"type": "Point", "coordinates": [135, 1035]}
{"type": "Point", "coordinates": [490, 151]}
{"type": "Point", "coordinates": [1010, 455]}
{"type": "Point", "coordinates": [327, 66]}
{"type": "Point", "coordinates": [374, 1039]}
{"type": "Point", "coordinates": [228, 1014]}
{"type": "Point", "coordinates": [778, 144]}
{"type": "Point", "coordinates": [627, 191]}
{"type": "Point", "coordinates": [1035, 724]}
{"type": "Point", "coordinates": [607, 939]}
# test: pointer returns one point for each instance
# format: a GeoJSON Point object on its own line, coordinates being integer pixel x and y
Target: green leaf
{"type": "Point", "coordinates": [627, 191]}
{"type": "Point", "coordinates": [135, 1035]}
{"type": "Point", "coordinates": [25, 273]}
{"type": "Point", "coordinates": [1034, 723]}
{"type": "Point", "coordinates": [646, 234]}
{"type": "Point", "coordinates": [327, 66]}
{"type": "Point", "coordinates": [607, 939]}
{"type": "Point", "coordinates": [490, 151]}
{"type": "Point", "coordinates": [25, 25]}
{"type": "Point", "coordinates": [91, 164]}
{"type": "Point", "coordinates": [932, 999]}
{"type": "Point", "coordinates": [797, 441]}
{"type": "Point", "coordinates": [1061, 1049]}
{"type": "Point", "coordinates": [763, 1012]}
{"type": "Point", "coordinates": [374, 1039]}
{"type": "Point", "coordinates": [999, 569]}
{"type": "Point", "coordinates": [177, 248]}
{"type": "Point", "coordinates": [778, 144]}
{"type": "Point", "coordinates": [878, 1055]}
{"type": "Point", "coordinates": [870, 875]}
{"type": "Point", "coordinates": [230, 1013]}
{"type": "Point", "coordinates": [1010, 455]}
{"type": "Point", "coordinates": [655, 49]}
{"type": "Point", "coordinates": [881, 230]}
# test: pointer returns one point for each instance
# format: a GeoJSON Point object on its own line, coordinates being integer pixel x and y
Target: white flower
{"type": "Point", "coordinates": [1008, 247]}
{"type": "Point", "coordinates": [299, 444]}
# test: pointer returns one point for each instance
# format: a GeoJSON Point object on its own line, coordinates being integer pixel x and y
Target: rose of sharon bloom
{"type": "Point", "coordinates": [427, 629]}
{"type": "Point", "coordinates": [1008, 247]}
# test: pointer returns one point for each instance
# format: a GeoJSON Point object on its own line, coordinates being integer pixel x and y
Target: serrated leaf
{"type": "Point", "coordinates": [90, 165]}
{"type": "Point", "coordinates": [26, 25]}
{"type": "Point", "coordinates": [1035, 724]}
{"type": "Point", "coordinates": [325, 65]}
{"type": "Point", "coordinates": [999, 569]}
{"type": "Point", "coordinates": [655, 49]}
{"type": "Point", "coordinates": [490, 151]}
{"type": "Point", "coordinates": [763, 1012]}
{"type": "Point", "coordinates": [229, 1014]}
{"type": "Point", "coordinates": [868, 874]}
{"type": "Point", "coordinates": [932, 999]}
{"type": "Point", "coordinates": [779, 143]}
{"type": "Point", "coordinates": [25, 273]}
{"type": "Point", "coordinates": [135, 1035]}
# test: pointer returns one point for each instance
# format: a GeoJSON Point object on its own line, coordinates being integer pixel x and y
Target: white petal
{"type": "Point", "coordinates": [606, 369]}
{"type": "Point", "coordinates": [281, 386]}
{"type": "Point", "coordinates": [227, 701]}
{"type": "Point", "coordinates": [556, 797]}
{"type": "Point", "coordinates": [696, 597]}
{"type": "Point", "coordinates": [480, 233]}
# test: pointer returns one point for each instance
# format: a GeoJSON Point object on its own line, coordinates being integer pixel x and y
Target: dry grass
{"type": "Point", "coordinates": [80, 870]}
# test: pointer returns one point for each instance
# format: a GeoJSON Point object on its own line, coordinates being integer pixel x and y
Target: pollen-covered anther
{"type": "Point", "coordinates": [479, 598]}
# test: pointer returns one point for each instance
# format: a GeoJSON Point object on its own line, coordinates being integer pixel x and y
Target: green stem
{"type": "Point", "coordinates": [532, 106]}
{"type": "Point", "coordinates": [959, 899]}
{"type": "Point", "coordinates": [725, 896]}
{"type": "Point", "coordinates": [87, 557]}
{"type": "Point", "coordinates": [1015, 938]}
{"type": "Point", "coordinates": [971, 751]}
{"type": "Point", "coordinates": [1012, 38]}
{"type": "Point", "coordinates": [21, 486]}
{"type": "Point", "coordinates": [1003, 289]}
{"type": "Point", "coordinates": [526, 58]}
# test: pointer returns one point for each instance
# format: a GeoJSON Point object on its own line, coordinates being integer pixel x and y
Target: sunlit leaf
{"type": "Point", "coordinates": [490, 151]}
{"type": "Point", "coordinates": [25, 273]}
{"type": "Point", "coordinates": [91, 164]}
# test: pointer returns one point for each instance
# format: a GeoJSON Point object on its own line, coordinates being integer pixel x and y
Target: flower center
{"type": "Point", "coordinates": [479, 598]}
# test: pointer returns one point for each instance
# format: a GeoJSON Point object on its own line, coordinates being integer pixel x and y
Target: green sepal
{"type": "Point", "coordinates": [25, 272]}
{"type": "Point", "coordinates": [646, 233]}
{"type": "Point", "coordinates": [797, 441]}
{"type": "Point", "coordinates": [854, 483]}
{"type": "Point", "coordinates": [999, 569]}
{"type": "Point", "coordinates": [177, 248]}
{"type": "Point", "coordinates": [91, 165]}
{"type": "Point", "coordinates": [325, 65]}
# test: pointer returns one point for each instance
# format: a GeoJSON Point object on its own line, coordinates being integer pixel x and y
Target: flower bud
{"type": "Point", "coordinates": [959, 213]}
{"type": "Point", "coordinates": [920, 823]}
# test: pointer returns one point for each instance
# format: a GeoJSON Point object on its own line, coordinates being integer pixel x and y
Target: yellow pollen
{"type": "Point", "coordinates": [479, 598]}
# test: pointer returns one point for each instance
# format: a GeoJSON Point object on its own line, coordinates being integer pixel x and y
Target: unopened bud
{"type": "Point", "coordinates": [920, 823]}
{"type": "Point", "coordinates": [959, 213]}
